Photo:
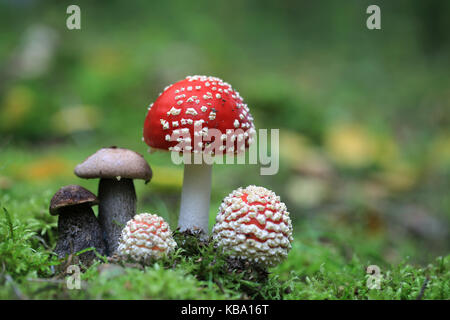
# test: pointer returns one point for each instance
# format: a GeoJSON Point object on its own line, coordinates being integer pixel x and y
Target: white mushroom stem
{"type": "Point", "coordinates": [195, 197]}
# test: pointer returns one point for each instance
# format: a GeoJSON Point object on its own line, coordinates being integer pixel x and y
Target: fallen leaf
{"type": "Point", "coordinates": [17, 104]}
{"type": "Point", "coordinates": [46, 168]}
{"type": "Point", "coordinates": [350, 145]}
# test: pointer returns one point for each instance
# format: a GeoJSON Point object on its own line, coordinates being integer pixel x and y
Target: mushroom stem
{"type": "Point", "coordinates": [117, 206]}
{"type": "Point", "coordinates": [79, 229]}
{"type": "Point", "coordinates": [195, 197]}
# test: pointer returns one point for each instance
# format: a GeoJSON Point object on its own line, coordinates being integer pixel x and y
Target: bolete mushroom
{"type": "Point", "coordinates": [254, 224]}
{"type": "Point", "coordinates": [78, 228]}
{"type": "Point", "coordinates": [192, 107]}
{"type": "Point", "coordinates": [116, 168]}
{"type": "Point", "coordinates": [146, 237]}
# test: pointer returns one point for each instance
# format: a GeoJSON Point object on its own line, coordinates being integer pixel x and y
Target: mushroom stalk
{"type": "Point", "coordinates": [195, 197]}
{"type": "Point", "coordinates": [79, 229]}
{"type": "Point", "coordinates": [117, 206]}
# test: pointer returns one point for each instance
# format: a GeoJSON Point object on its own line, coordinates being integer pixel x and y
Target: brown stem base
{"type": "Point", "coordinates": [78, 229]}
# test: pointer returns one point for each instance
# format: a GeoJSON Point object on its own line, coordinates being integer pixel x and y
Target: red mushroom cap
{"type": "Point", "coordinates": [255, 224]}
{"type": "Point", "coordinates": [145, 237]}
{"type": "Point", "coordinates": [193, 106]}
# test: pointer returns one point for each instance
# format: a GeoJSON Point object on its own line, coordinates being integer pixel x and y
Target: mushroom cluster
{"type": "Point", "coordinates": [78, 227]}
{"type": "Point", "coordinates": [185, 114]}
{"type": "Point", "coordinates": [252, 222]}
{"type": "Point", "coordinates": [146, 237]}
{"type": "Point", "coordinates": [116, 168]}
{"type": "Point", "coordinates": [254, 225]}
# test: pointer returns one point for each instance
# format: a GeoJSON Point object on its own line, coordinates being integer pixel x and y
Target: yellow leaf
{"type": "Point", "coordinates": [76, 118]}
{"type": "Point", "coordinates": [17, 103]}
{"type": "Point", "coordinates": [46, 168]}
{"type": "Point", "coordinates": [350, 145]}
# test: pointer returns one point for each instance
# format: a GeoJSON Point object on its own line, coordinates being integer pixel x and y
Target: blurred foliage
{"type": "Point", "coordinates": [363, 116]}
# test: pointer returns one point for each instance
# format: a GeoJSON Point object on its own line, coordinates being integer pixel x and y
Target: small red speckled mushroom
{"type": "Point", "coordinates": [254, 224]}
{"type": "Point", "coordinates": [190, 108]}
{"type": "Point", "coordinates": [146, 237]}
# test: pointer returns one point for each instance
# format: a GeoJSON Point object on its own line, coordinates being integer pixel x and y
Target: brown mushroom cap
{"type": "Point", "coordinates": [71, 195]}
{"type": "Point", "coordinates": [114, 163]}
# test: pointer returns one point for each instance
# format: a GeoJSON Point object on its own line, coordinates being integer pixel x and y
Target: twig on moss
{"type": "Point", "coordinates": [16, 290]}
{"type": "Point", "coordinates": [51, 280]}
{"type": "Point", "coordinates": [422, 290]}
{"type": "Point", "coordinates": [219, 285]}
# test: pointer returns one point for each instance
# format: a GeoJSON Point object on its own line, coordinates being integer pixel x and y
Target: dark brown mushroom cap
{"type": "Point", "coordinates": [69, 196]}
{"type": "Point", "coordinates": [114, 163]}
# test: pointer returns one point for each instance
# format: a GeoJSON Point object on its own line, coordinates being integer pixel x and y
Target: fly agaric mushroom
{"type": "Point", "coordinates": [254, 225]}
{"type": "Point", "coordinates": [78, 228]}
{"type": "Point", "coordinates": [116, 168]}
{"type": "Point", "coordinates": [191, 108]}
{"type": "Point", "coordinates": [146, 237]}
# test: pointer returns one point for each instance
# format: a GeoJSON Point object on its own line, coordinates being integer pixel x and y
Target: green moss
{"type": "Point", "coordinates": [199, 270]}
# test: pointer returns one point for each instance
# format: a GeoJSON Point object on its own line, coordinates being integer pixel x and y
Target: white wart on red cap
{"type": "Point", "coordinates": [193, 106]}
{"type": "Point", "coordinates": [146, 237]}
{"type": "Point", "coordinates": [255, 225]}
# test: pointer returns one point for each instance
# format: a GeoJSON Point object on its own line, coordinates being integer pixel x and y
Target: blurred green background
{"type": "Point", "coordinates": [363, 114]}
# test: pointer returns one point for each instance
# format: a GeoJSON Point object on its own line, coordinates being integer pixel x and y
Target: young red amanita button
{"type": "Point", "coordinates": [146, 237]}
{"type": "Point", "coordinates": [254, 224]}
{"type": "Point", "coordinates": [182, 119]}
